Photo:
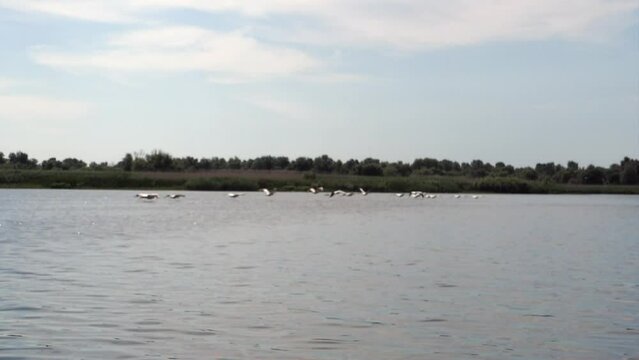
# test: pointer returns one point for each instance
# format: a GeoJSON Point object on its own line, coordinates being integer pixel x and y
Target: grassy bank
{"type": "Point", "coordinates": [249, 180]}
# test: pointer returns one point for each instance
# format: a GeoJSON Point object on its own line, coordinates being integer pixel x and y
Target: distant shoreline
{"type": "Point", "coordinates": [283, 180]}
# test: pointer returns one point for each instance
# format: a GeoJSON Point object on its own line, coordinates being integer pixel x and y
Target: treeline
{"type": "Point", "coordinates": [626, 172]}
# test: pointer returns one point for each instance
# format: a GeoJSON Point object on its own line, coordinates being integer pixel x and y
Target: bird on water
{"type": "Point", "coordinates": [175, 196]}
{"type": "Point", "coordinates": [147, 196]}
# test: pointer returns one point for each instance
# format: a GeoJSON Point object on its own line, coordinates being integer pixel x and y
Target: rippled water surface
{"type": "Point", "coordinates": [102, 275]}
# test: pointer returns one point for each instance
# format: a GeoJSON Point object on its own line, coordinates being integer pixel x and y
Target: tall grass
{"type": "Point", "coordinates": [287, 181]}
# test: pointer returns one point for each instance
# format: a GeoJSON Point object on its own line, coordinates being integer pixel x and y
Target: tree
{"type": "Point", "coordinates": [630, 175]}
{"type": "Point", "coordinates": [205, 164]}
{"type": "Point", "coordinates": [546, 170]}
{"type": "Point", "coordinates": [572, 165]}
{"type": "Point", "coordinates": [427, 163]}
{"type": "Point", "coordinates": [218, 163]}
{"type": "Point", "coordinates": [478, 169]}
{"type": "Point", "coordinates": [370, 167]}
{"type": "Point", "coordinates": [302, 164]}
{"type": "Point", "coordinates": [73, 164]}
{"type": "Point", "coordinates": [127, 162]}
{"type": "Point", "coordinates": [323, 164]}
{"type": "Point", "coordinates": [263, 163]}
{"type": "Point", "coordinates": [20, 160]}
{"type": "Point", "coordinates": [594, 175]}
{"type": "Point", "coordinates": [235, 163]}
{"type": "Point", "coordinates": [282, 162]}
{"type": "Point", "coordinates": [51, 164]}
{"type": "Point", "coordinates": [2, 159]}
{"type": "Point", "coordinates": [159, 161]}
{"type": "Point", "coordinates": [528, 173]}
{"type": "Point", "coordinates": [447, 165]}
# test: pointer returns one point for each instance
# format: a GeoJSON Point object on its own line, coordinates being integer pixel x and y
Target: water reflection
{"type": "Point", "coordinates": [98, 274]}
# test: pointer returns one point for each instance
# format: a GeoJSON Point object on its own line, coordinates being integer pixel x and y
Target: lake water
{"type": "Point", "coordinates": [103, 275]}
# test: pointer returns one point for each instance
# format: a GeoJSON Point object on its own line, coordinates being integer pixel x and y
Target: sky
{"type": "Point", "coordinates": [521, 81]}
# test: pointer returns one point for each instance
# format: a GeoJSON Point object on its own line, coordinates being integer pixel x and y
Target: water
{"type": "Point", "coordinates": [102, 275]}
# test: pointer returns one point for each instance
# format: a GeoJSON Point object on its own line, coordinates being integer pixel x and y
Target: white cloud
{"type": "Point", "coordinates": [415, 25]}
{"type": "Point", "coordinates": [5, 83]}
{"type": "Point", "coordinates": [89, 10]}
{"type": "Point", "coordinates": [182, 48]}
{"type": "Point", "coordinates": [284, 108]}
{"type": "Point", "coordinates": [331, 78]}
{"type": "Point", "coordinates": [402, 24]}
{"type": "Point", "coordinates": [40, 108]}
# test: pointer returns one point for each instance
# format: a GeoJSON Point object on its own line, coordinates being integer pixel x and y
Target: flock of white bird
{"type": "Point", "coordinates": [313, 190]}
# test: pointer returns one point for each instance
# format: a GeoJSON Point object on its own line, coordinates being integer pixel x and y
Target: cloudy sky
{"type": "Point", "coordinates": [519, 81]}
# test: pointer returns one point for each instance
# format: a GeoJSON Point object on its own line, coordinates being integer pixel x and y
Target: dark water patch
{"type": "Point", "coordinates": [147, 257]}
{"type": "Point", "coordinates": [21, 308]}
{"type": "Point", "coordinates": [68, 311]}
{"type": "Point", "coordinates": [144, 301]}
{"type": "Point", "coordinates": [445, 285]}
{"type": "Point", "coordinates": [11, 357]}
{"type": "Point", "coordinates": [24, 273]}
{"type": "Point", "coordinates": [279, 349]}
{"type": "Point", "coordinates": [136, 271]}
{"type": "Point", "coordinates": [104, 325]}
{"type": "Point", "coordinates": [540, 315]}
{"type": "Point", "coordinates": [627, 331]}
{"type": "Point", "coordinates": [302, 310]}
{"type": "Point", "coordinates": [41, 290]}
{"type": "Point", "coordinates": [259, 327]}
{"type": "Point", "coordinates": [182, 265]}
{"type": "Point", "coordinates": [97, 296]}
{"type": "Point", "coordinates": [151, 330]}
{"type": "Point", "coordinates": [231, 302]}
{"type": "Point", "coordinates": [148, 322]}
{"type": "Point", "coordinates": [203, 332]}
{"type": "Point", "coordinates": [349, 325]}
{"type": "Point", "coordinates": [245, 267]}
{"type": "Point", "coordinates": [327, 341]}
{"type": "Point", "coordinates": [434, 320]}
{"type": "Point", "coordinates": [241, 285]}
{"type": "Point", "coordinates": [120, 342]}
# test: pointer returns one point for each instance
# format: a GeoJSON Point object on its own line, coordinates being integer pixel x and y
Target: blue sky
{"type": "Point", "coordinates": [517, 81]}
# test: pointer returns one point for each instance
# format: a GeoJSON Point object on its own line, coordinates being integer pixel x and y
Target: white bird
{"type": "Point", "coordinates": [313, 190]}
{"type": "Point", "coordinates": [175, 196]}
{"type": "Point", "coordinates": [233, 195]}
{"type": "Point", "coordinates": [399, 194]}
{"type": "Point", "coordinates": [416, 194]}
{"type": "Point", "coordinates": [268, 192]}
{"type": "Point", "coordinates": [476, 196]}
{"type": "Point", "coordinates": [320, 189]}
{"type": "Point", "coordinates": [457, 196]}
{"type": "Point", "coordinates": [147, 196]}
{"type": "Point", "coordinates": [364, 192]}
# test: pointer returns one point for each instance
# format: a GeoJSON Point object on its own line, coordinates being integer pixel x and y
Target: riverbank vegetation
{"type": "Point", "coordinates": [160, 170]}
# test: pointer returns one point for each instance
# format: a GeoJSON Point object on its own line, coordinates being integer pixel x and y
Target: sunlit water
{"type": "Point", "coordinates": [102, 275]}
